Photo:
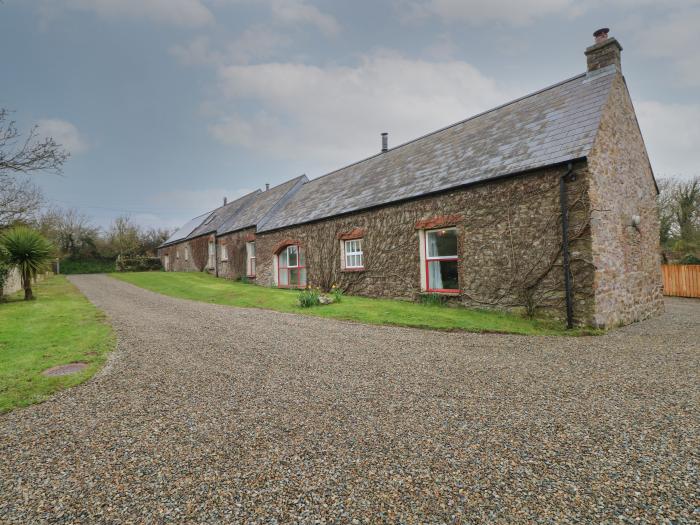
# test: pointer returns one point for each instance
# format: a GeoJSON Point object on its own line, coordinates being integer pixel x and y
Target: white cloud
{"type": "Point", "coordinates": [299, 11]}
{"type": "Point", "coordinates": [335, 114]}
{"type": "Point", "coordinates": [672, 134]}
{"type": "Point", "coordinates": [191, 13]}
{"type": "Point", "coordinates": [675, 37]}
{"type": "Point", "coordinates": [64, 133]}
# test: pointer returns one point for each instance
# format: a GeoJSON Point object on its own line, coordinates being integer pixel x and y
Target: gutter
{"type": "Point", "coordinates": [566, 258]}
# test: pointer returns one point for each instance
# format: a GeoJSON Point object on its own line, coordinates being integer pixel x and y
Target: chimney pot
{"type": "Point", "coordinates": [225, 200]}
{"type": "Point", "coordinates": [385, 142]}
{"type": "Point", "coordinates": [267, 186]}
{"type": "Point", "coordinates": [604, 51]}
{"type": "Point", "coordinates": [601, 34]}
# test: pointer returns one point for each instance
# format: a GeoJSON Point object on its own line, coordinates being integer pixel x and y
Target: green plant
{"type": "Point", "coordinates": [138, 263]}
{"type": "Point", "coordinates": [432, 299]}
{"type": "Point", "coordinates": [337, 293]}
{"type": "Point", "coordinates": [244, 279]}
{"type": "Point", "coordinates": [690, 259]}
{"type": "Point", "coordinates": [29, 251]}
{"type": "Point", "coordinates": [4, 272]}
{"type": "Point", "coordinates": [77, 265]}
{"type": "Point", "coordinates": [309, 297]}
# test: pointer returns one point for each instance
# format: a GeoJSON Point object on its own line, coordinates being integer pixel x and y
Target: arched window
{"type": "Point", "coordinates": [291, 267]}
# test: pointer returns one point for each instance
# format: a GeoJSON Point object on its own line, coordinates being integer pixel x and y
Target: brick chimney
{"type": "Point", "coordinates": [604, 51]}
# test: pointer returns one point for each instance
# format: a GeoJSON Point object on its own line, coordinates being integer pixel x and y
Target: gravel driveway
{"type": "Point", "coordinates": [210, 414]}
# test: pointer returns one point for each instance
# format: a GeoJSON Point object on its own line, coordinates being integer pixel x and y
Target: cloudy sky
{"type": "Point", "coordinates": [168, 105]}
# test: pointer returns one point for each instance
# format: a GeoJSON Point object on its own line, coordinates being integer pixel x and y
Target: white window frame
{"type": "Point", "coordinates": [251, 265]}
{"type": "Point", "coordinates": [211, 253]}
{"type": "Point", "coordinates": [428, 258]}
{"type": "Point", "coordinates": [223, 250]}
{"type": "Point", "coordinates": [349, 253]}
{"type": "Point", "coordinates": [187, 253]}
{"type": "Point", "coordinates": [177, 254]}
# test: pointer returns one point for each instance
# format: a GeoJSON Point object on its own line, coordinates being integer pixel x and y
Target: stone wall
{"type": "Point", "coordinates": [198, 254]}
{"type": "Point", "coordinates": [628, 282]}
{"type": "Point", "coordinates": [509, 235]}
{"type": "Point", "coordinates": [235, 243]}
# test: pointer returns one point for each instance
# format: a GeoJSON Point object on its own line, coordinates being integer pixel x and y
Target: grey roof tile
{"type": "Point", "coordinates": [554, 125]}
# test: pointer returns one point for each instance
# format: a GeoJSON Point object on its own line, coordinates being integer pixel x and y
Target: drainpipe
{"type": "Point", "coordinates": [564, 205]}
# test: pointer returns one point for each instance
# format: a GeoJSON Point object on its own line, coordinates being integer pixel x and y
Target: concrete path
{"type": "Point", "coordinates": [211, 414]}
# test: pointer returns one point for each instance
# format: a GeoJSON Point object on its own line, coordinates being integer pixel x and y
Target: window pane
{"type": "Point", "coordinates": [302, 257]}
{"type": "Point", "coordinates": [302, 277]}
{"type": "Point", "coordinates": [442, 275]}
{"type": "Point", "coordinates": [442, 243]}
{"type": "Point", "coordinates": [252, 266]}
{"type": "Point", "coordinates": [252, 249]}
{"type": "Point", "coordinates": [292, 256]}
{"type": "Point", "coordinates": [283, 259]}
{"type": "Point", "coordinates": [284, 278]}
{"type": "Point", "coordinates": [294, 277]}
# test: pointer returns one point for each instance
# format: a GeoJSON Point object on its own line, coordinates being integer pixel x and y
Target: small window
{"type": "Point", "coordinates": [291, 268]}
{"type": "Point", "coordinates": [441, 260]}
{"type": "Point", "coordinates": [187, 253]}
{"type": "Point", "coordinates": [250, 259]}
{"type": "Point", "coordinates": [224, 252]}
{"type": "Point", "coordinates": [177, 254]}
{"type": "Point", "coordinates": [211, 255]}
{"type": "Point", "coordinates": [353, 254]}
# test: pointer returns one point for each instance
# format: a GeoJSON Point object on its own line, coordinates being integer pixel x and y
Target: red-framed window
{"type": "Point", "coordinates": [291, 267]}
{"type": "Point", "coordinates": [441, 266]}
{"type": "Point", "coordinates": [250, 258]}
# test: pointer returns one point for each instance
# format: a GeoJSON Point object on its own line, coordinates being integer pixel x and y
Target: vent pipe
{"type": "Point", "coordinates": [225, 201]}
{"type": "Point", "coordinates": [385, 142]}
{"type": "Point", "coordinates": [267, 186]}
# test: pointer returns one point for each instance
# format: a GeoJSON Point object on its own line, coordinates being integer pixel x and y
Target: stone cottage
{"type": "Point", "coordinates": [547, 202]}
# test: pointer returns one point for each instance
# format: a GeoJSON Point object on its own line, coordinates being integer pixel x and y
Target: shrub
{"type": "Point", "coordinates": [432, 299]}
{"type": "Point", "coordinates": [30, 251]}
{"type": "Point", "coordinates": [309, 297]}
{"type": "Point", "coordinates": [690, 259]}
{"type": "Point", "coordinates": [74, 265]}
{"type": "Point", "coordinates": [138, 263]}
{"type": "Point", "coordinates": [337, 294]}
{"type": "Point", "coordinates": [4, 272]}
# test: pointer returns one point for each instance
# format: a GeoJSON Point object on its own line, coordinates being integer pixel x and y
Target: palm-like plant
{"type": "Point", "coordinates": [29, 251]}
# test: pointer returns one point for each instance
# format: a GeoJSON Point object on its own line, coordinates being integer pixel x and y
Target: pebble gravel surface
{"type": "Point", "coordinates": [213, 414]}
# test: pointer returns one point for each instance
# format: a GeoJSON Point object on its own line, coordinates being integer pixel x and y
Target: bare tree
{"type": "Point", "coordinates": [71, 231]}
{"type": "Point", "coordinates": [124, 236]}
{"type": "Point", "coordinates": [679, 213]}
{"type": "Point", "coordinates": [31, 154]}
{"type": "Point", "coordinates": [19, 200]}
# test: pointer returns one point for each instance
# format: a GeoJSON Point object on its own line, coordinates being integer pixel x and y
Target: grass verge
{"type": "Point", "coordinates": [206, 288]}
{"type": "Point", "coordinates": [61, 326]}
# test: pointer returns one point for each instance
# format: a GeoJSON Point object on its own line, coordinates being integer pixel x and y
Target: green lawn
{"type": "Point", "coordinates": [209, 289]}
{"type": "Point", "coordinates": [61, 326]}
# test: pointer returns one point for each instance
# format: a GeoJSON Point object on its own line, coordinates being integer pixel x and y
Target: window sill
{"type": "Point", "coordinates": [362, 269]}
{"type": "Point", "coordinates": [251, 276]}
{"type": "Point", "coordinates": [443, 292]}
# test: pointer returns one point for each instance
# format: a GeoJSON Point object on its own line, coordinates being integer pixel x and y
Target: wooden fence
{"type": "Point", "coordinates": [681, 280]}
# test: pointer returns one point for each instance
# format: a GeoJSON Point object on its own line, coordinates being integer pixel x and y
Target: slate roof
{"type": "Point", "coordinates": [255, 210]}
{"type": "Point", "coordinates": [222, 214]}
{"type": "Point", "coordinates": [554, 125]}
{"type": "Point", "coordinates": [185, 231]}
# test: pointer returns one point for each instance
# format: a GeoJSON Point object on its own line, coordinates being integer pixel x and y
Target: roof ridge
{"type": "Point", "coordinates": [300, 181]}
{"type": "Point", "coordinates": [501, 106]}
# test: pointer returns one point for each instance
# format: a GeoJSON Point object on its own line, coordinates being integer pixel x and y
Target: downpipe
{"type": "Point", "coordinates": [569, 176]}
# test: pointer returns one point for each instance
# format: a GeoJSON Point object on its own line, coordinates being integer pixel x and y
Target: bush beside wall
{"type": "Point", "coordinates": [138, 264]}
{"type": "Point", "coordinates": [71, 266]}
